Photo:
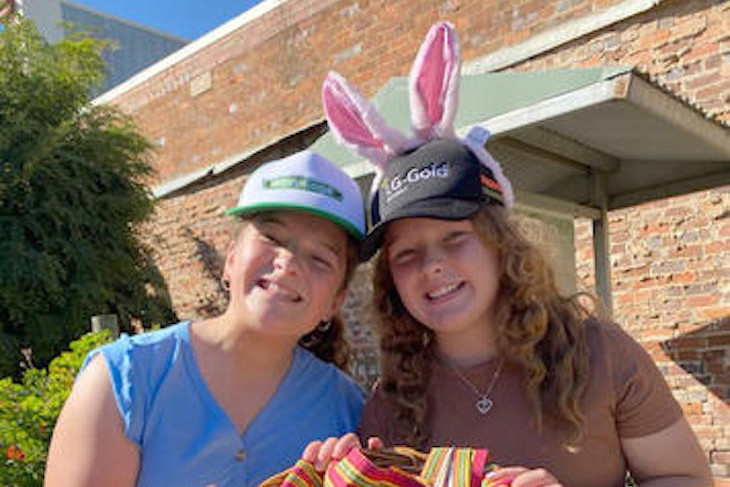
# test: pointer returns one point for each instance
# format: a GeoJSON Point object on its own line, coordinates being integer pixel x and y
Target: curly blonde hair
{"type": "Point", "coordinates": [537, 329]}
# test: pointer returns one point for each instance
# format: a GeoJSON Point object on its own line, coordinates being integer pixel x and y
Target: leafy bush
{"type": "Point", "coordinates": [29, 409]}
{"type": "Point", "coordinates": [72, 194]}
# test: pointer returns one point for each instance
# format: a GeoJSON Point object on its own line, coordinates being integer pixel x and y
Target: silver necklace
{"type": "Point", "coordinates": [484, 403]}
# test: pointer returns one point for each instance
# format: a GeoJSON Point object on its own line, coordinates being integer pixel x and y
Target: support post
{"type": "Point", "coordinates": [601, 249]}
{"type": "Point", "coordinates": [105, 322]}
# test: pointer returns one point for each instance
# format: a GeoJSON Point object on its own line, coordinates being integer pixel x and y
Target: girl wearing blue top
{"type": "Point", "coordinates": [229, 401]}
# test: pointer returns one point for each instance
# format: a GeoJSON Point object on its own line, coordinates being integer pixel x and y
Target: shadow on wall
{"type": "Point", "coordinates": [705, 354]}
{"type": "Point", "coordinates": [213, 302]}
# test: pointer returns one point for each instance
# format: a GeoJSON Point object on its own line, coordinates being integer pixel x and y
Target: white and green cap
{"type": "Point", "coordinates": [305, 181]}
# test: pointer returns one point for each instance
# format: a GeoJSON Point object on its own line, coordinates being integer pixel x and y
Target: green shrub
{"type": "Point", "coordinates": [73, 195]}
{"type": "Point", "coordinates": [29, 409]}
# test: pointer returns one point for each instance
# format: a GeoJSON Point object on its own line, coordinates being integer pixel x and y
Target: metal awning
{"type": "Point", "coordinates": [578, 142]}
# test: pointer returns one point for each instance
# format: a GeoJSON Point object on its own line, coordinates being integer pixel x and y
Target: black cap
{"type": "Point", "coordinates": [440, 179]}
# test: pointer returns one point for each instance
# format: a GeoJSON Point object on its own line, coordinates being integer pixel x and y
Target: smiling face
{"type": "Point", "coordinates": [286, 271]}
{"type": "Point", "coordinates": [446, 276]}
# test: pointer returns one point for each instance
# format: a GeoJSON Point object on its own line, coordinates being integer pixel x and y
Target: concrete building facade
{"type": "Point", "coordinates": [135, 47]}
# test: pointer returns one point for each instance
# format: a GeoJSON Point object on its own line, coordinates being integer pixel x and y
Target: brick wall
{"type": "Point", "coordinates": [264, 79]}
{"type": "Point", "coordinates": [684, 44]}
{"type": "Point", "coordinates": [670, 260]}
{"type": "Point", "coordinates": [670, 264]}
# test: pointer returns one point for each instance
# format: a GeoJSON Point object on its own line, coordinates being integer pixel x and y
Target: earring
{"type": "Point", "coordinates": [315, 336]}
{"type": "Point", "coordinates": [225, 284]}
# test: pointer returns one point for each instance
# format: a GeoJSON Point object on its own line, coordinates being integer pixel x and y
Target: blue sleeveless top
{"type": "Point", "coordinates": [184, 437]}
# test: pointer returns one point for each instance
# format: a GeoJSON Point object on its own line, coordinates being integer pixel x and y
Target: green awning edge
{"type": "Point", "coordinates": [481, 97]}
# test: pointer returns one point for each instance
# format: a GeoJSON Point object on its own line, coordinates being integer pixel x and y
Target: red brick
{"type": "Point", "coordinates": [724, 229]}
{"type": "Point", "coordinates": [683, 278]}
{"type": "Point", "coordinates": [721, 340]}
{"type": "Point", "coordinates": [703, 80]}
{"type": "Point", "coordinates": [713, 91]}
{"type": "Point", "coordinates": [701, 51]}
{"type": "Point", "coordinates": [717, 247]}
{"type": "Point", "coordinates": [692, 409]}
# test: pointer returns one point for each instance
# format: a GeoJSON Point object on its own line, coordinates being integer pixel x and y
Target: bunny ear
{"type": "Point", "coordinates": [475, 140]}
{"type": "Point", "coordinates": [356, 124]}
{"type": "Point", "coordinates": [434, 83]}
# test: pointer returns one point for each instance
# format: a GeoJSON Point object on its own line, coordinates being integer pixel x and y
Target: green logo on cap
{"type": "Point", "coordinates": [305, 184]}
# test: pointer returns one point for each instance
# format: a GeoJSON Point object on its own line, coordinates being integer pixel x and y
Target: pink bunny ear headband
{"type": "Point", "coordinates": [432, 174]}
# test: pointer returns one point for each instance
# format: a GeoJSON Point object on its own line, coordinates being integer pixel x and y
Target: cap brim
{"type": "Point", "coordinates": [438, 208]}
{"type": "Point", "coordinates": [263, 207]}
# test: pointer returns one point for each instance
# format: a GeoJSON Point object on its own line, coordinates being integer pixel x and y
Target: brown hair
{"type": "Point", "coordinates": [329, 344]}
{"type": "Point", "coordinates": [536, 328]}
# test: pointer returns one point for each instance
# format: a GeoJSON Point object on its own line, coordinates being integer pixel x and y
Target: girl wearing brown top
{"type": "Point", "coordinates": [478, 346]}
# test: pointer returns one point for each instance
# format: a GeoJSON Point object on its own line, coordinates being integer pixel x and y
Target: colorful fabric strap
{"type": "Point", "coordinates": [302, 474]}
{"type": "Point", "coordinates": [460, 467]}
{"type": "Point", "coordinates": [444, 467]}
{"type": "Point", "coordinates": [356, 470]}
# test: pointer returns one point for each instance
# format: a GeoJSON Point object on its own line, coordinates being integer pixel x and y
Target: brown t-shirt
{"type": "Point", "coordinates": [626, 397]}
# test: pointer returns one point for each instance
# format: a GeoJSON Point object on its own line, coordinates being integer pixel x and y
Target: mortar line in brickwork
{"type": "Point", "coordinates": [562, 34]}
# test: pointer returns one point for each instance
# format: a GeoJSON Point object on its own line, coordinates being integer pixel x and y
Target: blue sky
{"type": "Point", "coordinates": [188, 19]}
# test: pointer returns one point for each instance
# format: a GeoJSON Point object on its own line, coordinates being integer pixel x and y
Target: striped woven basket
{"type": "Point", "coordinates": [396, 467]}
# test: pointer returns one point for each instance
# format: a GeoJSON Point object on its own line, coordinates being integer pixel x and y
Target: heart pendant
{"type": "Point", "coordinates": [483, 405]}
